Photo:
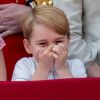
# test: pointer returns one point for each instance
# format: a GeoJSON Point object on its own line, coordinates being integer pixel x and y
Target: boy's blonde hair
{"type": "Point", "coordinates": [47, 15]}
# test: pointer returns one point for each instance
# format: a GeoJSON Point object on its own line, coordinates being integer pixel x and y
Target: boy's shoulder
{"type": "Point", "coordinates": [75, 61]}
{"type": "Point", "coordinates": [25, 61]}
{"type": "Point", "coordinates": [76, 64]}
{"type": "Point", "coordinates": [77, 68]}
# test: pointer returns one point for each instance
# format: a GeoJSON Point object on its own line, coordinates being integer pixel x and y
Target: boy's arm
{"type": "Point", "coordinates": [64, 72]}
{"type": "Point", "coordinates": [73, 69]}
{"type": "Point", "coordinates": [45, 64]}
{"type": "Point", "coordinates": [41, 73]}
{"type": "Point", "coordinates": [60, 54]}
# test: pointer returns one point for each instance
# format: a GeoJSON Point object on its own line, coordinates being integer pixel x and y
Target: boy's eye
{"type": "Point", "coordinates": [58, 42]}
{"type": "Point", "coordinates": [42, 44]}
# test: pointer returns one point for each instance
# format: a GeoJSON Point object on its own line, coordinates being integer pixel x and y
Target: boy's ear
{"type": "Point", "coordinates": [27, 46]}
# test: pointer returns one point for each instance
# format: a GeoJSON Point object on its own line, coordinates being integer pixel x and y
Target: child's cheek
{"type": "Point", "coordinates": [39, 53]}
{"type": "Point", "coordinates": [36, 53]}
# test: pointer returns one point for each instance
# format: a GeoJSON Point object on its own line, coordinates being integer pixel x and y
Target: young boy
{"type": "Point", "coordinates": [46, 37]}
{"type": "Point", "coordinates": [2, 63]}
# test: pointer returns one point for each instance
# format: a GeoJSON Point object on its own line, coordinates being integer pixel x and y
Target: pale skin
{"type": "Point", "coordinates": [2, 68]}
{"type": "Point", "coordinates": [49, 49]}
{"type": "Point", "coordinates": [93, 70]}
{"type": "Point", "coordinates": [2, 62]}
{"type": "Point", "coordinates": [60, 56]}
{"type": "Point", "coordinates": [9, 18]}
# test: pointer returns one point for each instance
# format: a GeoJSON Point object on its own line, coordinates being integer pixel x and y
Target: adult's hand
{"type": "Point", "coordinates": [9, 18]}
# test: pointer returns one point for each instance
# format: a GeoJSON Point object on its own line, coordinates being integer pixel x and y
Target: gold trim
{"type": "Point", "coordinates": [44, 2]}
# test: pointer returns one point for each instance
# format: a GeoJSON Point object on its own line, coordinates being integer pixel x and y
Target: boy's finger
{"type": "Point", "coordinates": [63, 46]}
{"type": "Point", "coordinates": [50, 48]}
{"type": "Point", "coordinates": [55, 55]}
{"type": "Point", "coordinates": [57, 49]}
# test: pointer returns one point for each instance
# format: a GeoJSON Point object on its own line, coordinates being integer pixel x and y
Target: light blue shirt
{"type": "Point", "coordinates": [25, 69]}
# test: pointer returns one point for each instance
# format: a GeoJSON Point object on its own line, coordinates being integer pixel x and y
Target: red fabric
{"type": "Point", "coordinates": [68, 89]}
{"type": "Point", "coordinates": [13, 51]}
{"type": "Point", "coordinates": [12, 1]}
{"type": "Point", "coordinates": [14, 48]}
{"type": "Point", "coordinates": [65, 89]}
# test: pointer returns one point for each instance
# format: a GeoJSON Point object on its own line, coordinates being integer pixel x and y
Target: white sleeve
{"type": "Point", "coordinates": [78, 46]}
{"type": "Point", "coordinates": [77, 68]}
{"type": "Point", "coordinates": [22, 71]}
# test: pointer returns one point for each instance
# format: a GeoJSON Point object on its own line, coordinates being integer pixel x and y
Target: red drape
{"type": "Point", "coordinates": [12, 1]}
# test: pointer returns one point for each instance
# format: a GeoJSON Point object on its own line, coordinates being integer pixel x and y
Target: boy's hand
{"type": "Point", "coordinates": [60, 54]}
{"type": "Point", "coordinates": [46, 60]}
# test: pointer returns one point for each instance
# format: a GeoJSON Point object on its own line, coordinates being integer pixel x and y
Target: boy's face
{"type": "Point", "coordinates": [42, 37]}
